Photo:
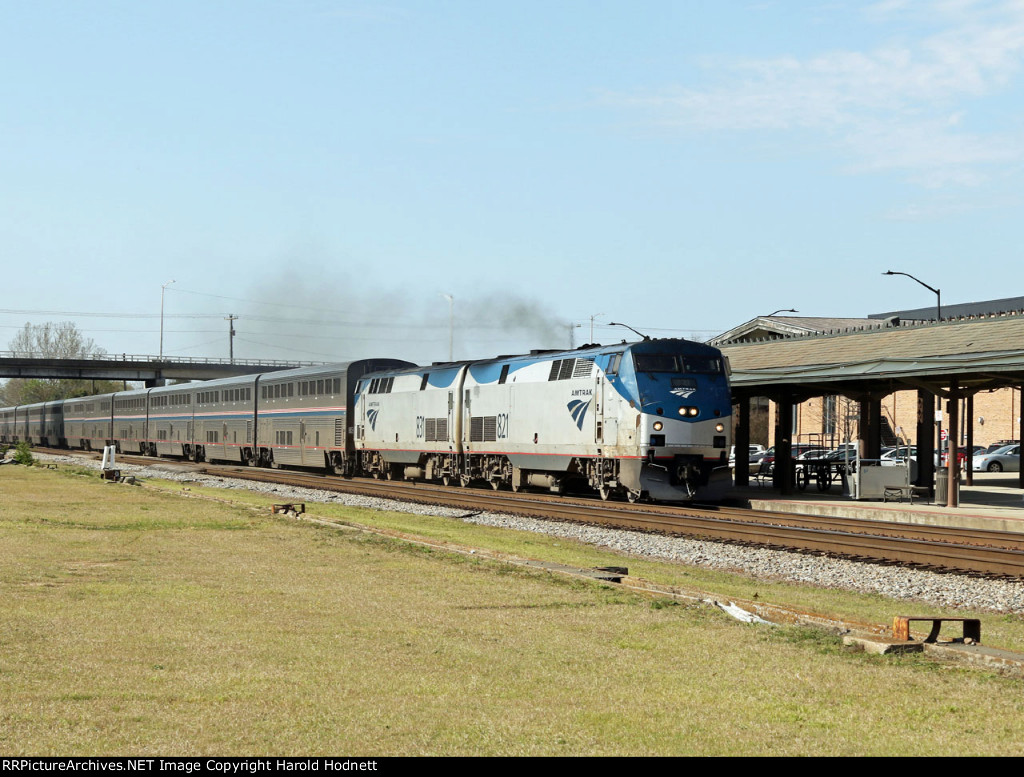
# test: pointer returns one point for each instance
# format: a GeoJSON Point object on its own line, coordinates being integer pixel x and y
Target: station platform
{"type": "Point", "coordinates": [995, 502]}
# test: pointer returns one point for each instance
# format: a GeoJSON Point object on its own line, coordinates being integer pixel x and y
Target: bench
{"type": "Point", "coordinates": [901, 627]}
{"type": "Point", "coordinates": [898, 493]}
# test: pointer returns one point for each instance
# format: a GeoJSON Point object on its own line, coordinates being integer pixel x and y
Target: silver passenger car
{"type": "Point", "coordinates": [303, 414]}
{"type": "Point", "coordinates": [223, 420]}
{"type": "Point", "coordinates": [88, 421]}
{"type": "Point", "coordinates": [129, 421]}
{"type": "Point", "coordinates": [170, 420]}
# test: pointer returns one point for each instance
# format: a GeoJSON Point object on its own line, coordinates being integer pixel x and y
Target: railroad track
{"type": "Point", "coordinates": [970, 551]}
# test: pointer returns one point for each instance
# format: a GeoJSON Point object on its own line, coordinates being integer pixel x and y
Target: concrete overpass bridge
{"type": "Point", "coordinates": [151, 370]}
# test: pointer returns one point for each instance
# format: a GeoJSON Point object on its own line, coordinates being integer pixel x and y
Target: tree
{"type": "Point", "coordinates": [53, 341]}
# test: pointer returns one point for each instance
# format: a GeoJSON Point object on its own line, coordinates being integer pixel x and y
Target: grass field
{"type": "Point", "coordinates": [136, 621]}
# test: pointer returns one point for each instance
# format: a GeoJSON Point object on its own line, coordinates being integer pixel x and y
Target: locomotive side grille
{"type": "Point", "coordinates": [490, 428]}
{"type": "Point", "coordinates": [339, 433]}
{"type": "Point", "coordinates": [566, 372]}
{"type": "Point", "coordinates": [583, 368]}
{"type": "Point", "coordinates": [476, 429]}
{"type": "Point", "coordinates": [435, 429]}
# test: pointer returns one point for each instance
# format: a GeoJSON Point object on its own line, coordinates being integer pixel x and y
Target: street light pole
{"type": "Point", "coordinates": [451, 326]}
{"type": "Point", "coordinates": [780, 310]}
{"type": "Point", "coordinates": [162, 290]}
{"type": "Point", "coordinates": [631, 329]}
{"type": "Point", "coordinates": [938, 293]}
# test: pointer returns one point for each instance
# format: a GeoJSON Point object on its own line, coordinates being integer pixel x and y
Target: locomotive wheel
{"type": "Point", "coordinates": [464, 481]}
{"type": "Point", "coordinates": [604, 492]}
{"type": "Point", "coordinates": [633, 496]}
{"type": "Point", "coordinates": [446, 480]}
{"type": "Point", "coordinates": [495, 484]}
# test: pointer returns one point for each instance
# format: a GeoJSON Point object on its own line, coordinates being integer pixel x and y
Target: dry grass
{"type": "Point", "coordinates": [136, 622]}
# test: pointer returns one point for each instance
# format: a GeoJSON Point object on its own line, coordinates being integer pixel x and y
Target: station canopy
{"type": "Point", "coordinates": [980, 353]}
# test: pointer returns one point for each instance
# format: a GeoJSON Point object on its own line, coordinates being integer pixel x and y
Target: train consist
{"type": "Point", "coordinates": [648, 419]}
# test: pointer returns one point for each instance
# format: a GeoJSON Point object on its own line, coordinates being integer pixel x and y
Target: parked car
{"type": "Point", "coordinates": [798, 449]}
{"type": "Point", "coordinates": [812, 453]}
{"type": "Point", "coordinates": [843, 452]}
{"type": "Point", "coordinates": [1006, 459]}
{"type": "Point", "coordinates": [899, 455]}
{"type": "Point", "coordinates": [754, 454]}
{"type": "Point", "coordinates": [1001, 444]}
{"type": "Point", "coordinates": [961, 456]}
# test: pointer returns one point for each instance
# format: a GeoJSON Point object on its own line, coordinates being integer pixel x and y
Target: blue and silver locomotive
{"type": "Point", "coordinates": [648, 419]}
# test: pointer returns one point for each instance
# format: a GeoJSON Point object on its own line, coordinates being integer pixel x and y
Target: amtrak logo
{"type": "Point", "coordinates": [372, 415]}
{"type": "Point", "coordinates": [578, 410]}
{"type": "Point", "coordinates": [683, 392]}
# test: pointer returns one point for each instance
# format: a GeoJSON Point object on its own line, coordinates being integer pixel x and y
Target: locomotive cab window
{"type": "Point", "coordinates": [704, 365]}
{"type": "Point", "coordinates": [657, 362]}
{"type": "Point", "coordinates": [614, 362]}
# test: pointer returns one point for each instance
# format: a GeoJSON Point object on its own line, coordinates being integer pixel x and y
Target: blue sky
{"type": "Point", "coordinates": [327, 170]}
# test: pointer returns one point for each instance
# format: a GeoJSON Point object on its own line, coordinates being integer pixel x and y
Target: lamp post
{"type": "Point", "coordinates": [780, 310]}
{"type": "Point", "coordinates": [938, 293]}
{"type": "Point", "coordinates": [631, 329]}
{"type": "Point", "coordinates": [451, 326]}
{"type": "Point", "coordinates": [162, 290]}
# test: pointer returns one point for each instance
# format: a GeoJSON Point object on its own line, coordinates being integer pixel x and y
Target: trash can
{"type": "Point", "coordinates": [942, 486]}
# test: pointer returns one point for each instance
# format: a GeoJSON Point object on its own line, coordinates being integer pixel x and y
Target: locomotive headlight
{"type": "Point", "coordinates": [719, 427]}
{"type": "Point", "coordinates": [658, 426]}
{"type": "Point", "coordinates": [693, 412]}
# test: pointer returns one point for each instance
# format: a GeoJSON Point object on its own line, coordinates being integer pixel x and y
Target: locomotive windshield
{"type": "Point", "coordinates": [677, 363]}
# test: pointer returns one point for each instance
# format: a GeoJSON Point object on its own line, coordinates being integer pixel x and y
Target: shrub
{"type": "Point", "coordinates": [22, 455]}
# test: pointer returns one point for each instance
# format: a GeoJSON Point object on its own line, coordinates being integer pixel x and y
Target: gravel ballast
{"type": "Point", "coordinates": [945, 590]}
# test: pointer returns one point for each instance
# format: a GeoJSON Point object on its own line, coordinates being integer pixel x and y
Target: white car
{"type": "Point", "coordinates": [756, 451]}
{"type": "Point", "coordinates": [899, 455]}
{"type": "Point", "coordinates": [1005, 459]}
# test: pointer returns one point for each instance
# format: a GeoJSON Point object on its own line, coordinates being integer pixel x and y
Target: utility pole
{"type": "Point", "coordinates": [231, 318]}
{"type": "Point", "coordinates": [163, 288]}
